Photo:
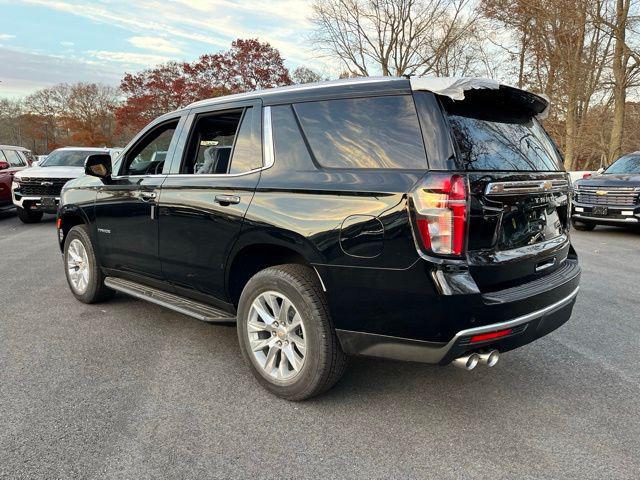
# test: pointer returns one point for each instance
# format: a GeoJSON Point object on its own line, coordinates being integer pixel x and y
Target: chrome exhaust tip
{"type": "Point", "coordinates": [467, 362]}
{"type": "Point", "coordinates": [489, 358]}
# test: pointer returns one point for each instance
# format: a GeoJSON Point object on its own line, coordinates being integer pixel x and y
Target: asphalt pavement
{"type": "Point", "coordinates": [130, 390]}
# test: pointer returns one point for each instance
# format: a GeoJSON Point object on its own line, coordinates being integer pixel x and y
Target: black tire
{"type": "Point", "coordinates": [324, 360]}
{"type": "Point", "coordinates": [95, 290]}
{"type": "Point", "coordinates": [28, 216]}
{"type": "Point", "coordinates": [583, 226]}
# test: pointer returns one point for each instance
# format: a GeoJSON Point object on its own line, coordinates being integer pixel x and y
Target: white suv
{"type": "Point", "coordinates": [36, 190]}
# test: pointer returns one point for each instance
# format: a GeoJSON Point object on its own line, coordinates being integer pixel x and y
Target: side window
{"type": "Point", "coordinates": [247, 151]}
{"type": "Point", "coordinates": [378, 132]}
{"type": "Point", "coordinates": [210, 143]}
{"type": "Point", "coordinates": [149, 155]}
{"type": "Point", "coordinates": [223, 143]}
{"type": "Point", "coordinates": [14, 159]}
{"type": "Point", "coordinates": [288, 144]}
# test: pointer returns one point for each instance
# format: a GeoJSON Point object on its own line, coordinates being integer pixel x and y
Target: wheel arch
{"type": "Point", "coordinates": [69, 217]}
{"type": "Point", "coordinates": [250, 258]}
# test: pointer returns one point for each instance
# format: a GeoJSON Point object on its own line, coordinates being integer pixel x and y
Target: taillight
{"type": "Point", "coordinates": [586, 175]}
{"type": "Point", "coordinates": [440, 204]}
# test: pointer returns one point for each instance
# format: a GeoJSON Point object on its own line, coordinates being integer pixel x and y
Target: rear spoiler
{"type": "Point", "coordinates": [455, 87]}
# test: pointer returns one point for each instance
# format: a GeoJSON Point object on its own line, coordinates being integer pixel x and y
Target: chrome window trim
{"type": "Point", "coordinates": [268, 155]}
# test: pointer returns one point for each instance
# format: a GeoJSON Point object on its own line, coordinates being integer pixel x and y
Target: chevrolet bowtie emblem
{"type": "Point", "coordinates": [46, 184]}
{"type": "Point", "coordinates": [546, 186]}
{"type": "Point", "coordinates": [601, 192]}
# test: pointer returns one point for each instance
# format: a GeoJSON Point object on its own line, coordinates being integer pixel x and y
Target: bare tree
{"type": "Point", "coordinates": [561, 54]}
{"type": "Point", "coordinates": [617, 20]}
{"type": "Point", "coordinates": [394, 37]}
{"type": "Point", "coordinates": [305, 75]}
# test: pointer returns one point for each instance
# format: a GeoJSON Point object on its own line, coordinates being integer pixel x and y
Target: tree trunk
{"type": "Point", "coordinates": [619, 82]}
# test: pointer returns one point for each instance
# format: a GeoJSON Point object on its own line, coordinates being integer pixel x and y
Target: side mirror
{"type": "Point", "coordinates": [600, 170]}
{"type": "Point", "coordinates": [4, 165]}
{"type": "Point", "coordinates": [98, 165]}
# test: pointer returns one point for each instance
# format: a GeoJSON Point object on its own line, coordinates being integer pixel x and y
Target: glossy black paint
{"type": "Point", "coordinates": [353, 226]}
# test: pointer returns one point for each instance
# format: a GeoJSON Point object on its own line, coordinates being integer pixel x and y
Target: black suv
{"type": "Point", "coordinates": [360, 216]}
{"type": "Point", "coordinates": [609, 198]}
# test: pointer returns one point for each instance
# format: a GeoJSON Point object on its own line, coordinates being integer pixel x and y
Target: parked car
{"type": "Point", "coordinates": [611, 197]}
{"type": "Point", "coordinates": [367, 216]}
{"type": "Point", "coordinates": [37, 190]}
{"type": "Point", "coordinates": [12, 160]}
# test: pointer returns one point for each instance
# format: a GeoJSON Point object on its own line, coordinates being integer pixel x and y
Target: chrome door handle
{"type": "Point", "coordinates": [146, 196]}
{"type": "Point", "coordinates": [225, 200]}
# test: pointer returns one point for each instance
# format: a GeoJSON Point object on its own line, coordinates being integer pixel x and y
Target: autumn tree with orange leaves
{"type": "Point", "coordinates": [248, 65]}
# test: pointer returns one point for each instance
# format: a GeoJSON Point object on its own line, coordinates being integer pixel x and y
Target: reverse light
{"type": "Point", "coordinates": [441, 213]}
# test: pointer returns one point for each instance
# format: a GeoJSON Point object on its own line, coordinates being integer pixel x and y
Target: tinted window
{"type": "Point", "coordinates": [149, 155]}
{"type": "Point", "coordinates": [68, 158]}
{"type": "Point", "coordinates": [211, 142]}
{"type": "Point", "coordinates": [380, 132]}
{"type": "Point", "coordinates": [626, 164]}
{"type": "Point", "coordinates": [289, 147]}
{"type": "Point", "coordinates": [494, 132]}
{"type": "Point", "coordinates": [247, 153]}
{"type": "Point", "coordinates": [14, 159]}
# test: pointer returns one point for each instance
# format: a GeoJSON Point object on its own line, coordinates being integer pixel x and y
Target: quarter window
{"type": "Point", "coordinates": [379, 132]}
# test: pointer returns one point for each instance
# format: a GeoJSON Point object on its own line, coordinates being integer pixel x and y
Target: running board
{"type": "Point", "coordinates": [194, 309]}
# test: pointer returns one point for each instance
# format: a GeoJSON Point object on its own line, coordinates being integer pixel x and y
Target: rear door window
{"type": "Point", "coordinates": [377, 132]}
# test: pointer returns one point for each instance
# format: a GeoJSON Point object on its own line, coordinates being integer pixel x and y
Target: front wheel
{"type": "Point", "coordinates": [286, 334]}
{"type": "Point", "coordinates": [84, 276]}
{"type": "Point", "coordinates": [28, 216]}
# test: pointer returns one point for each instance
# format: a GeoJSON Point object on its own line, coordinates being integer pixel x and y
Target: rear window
{"type": "Point", "coordinates": [493, 134]}
{"type": "Point", "coordinates": [379, 132]}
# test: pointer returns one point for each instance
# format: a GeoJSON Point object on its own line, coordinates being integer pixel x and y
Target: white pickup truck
{"type": "Point", "coordinates": [36, 190]}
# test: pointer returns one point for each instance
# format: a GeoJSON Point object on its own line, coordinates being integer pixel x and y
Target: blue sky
{"type": "Point", "coordinates": [43, 42]}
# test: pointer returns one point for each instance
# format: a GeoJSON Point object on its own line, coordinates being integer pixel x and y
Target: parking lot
{"type": "Point", "coordinates": [128, 389]}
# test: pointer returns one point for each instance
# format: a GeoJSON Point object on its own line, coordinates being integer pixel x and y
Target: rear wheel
{"type": "Point", "coordinates": [286, 335]}
{"type": "Point", "coordinates": [84, 276]}
{"type": "Point", "coordinates": [28, 216]}
{"type": "Point", "coordinates": [583, 226]}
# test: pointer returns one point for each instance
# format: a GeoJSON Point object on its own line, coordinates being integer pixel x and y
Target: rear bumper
{"type": "Point", "coordinates": [525, 329]}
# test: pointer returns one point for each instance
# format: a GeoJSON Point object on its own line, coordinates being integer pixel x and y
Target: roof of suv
{"type": "Point", "coordinates": [313, 89]}
{"type": "Point", "coordinates": [14, 147]}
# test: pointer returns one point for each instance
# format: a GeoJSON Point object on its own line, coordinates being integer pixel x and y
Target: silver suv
{"type": "Point", "coordinates": [36, 190]}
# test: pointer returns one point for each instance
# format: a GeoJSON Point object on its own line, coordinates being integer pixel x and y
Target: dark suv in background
{"type": "Point", "coordinates": [365, 216]}
{"type": "Point", "coordinates": [611, 197]}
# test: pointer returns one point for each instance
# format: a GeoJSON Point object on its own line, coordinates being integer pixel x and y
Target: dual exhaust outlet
{"type": "Point", "coordinates": [470, 361]}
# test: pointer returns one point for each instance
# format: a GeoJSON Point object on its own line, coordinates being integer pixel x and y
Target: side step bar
{"type": "Point", "coordinates": [194, 309]}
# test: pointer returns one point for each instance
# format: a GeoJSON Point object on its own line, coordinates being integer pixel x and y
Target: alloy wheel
{"type": "Point", "coordinates": [78, 266]}
{"type": "Point", "coordinates": [276, 336]}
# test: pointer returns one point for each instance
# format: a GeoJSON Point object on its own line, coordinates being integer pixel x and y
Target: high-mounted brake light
{"type": "Point", "coordinates": [441, 213]}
